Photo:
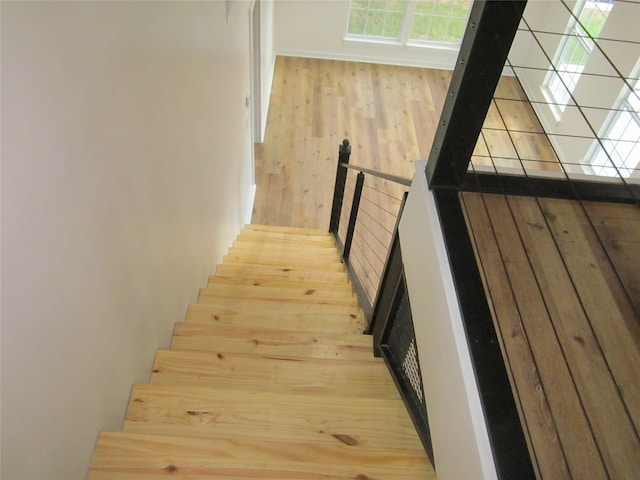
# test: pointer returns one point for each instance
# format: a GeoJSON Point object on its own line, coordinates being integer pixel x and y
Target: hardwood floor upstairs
{"type": "Point", "coordinates": [269, 376]}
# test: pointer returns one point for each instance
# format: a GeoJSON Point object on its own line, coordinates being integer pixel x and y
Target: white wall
{"type": "Point", "coordinates": [125, 175]}
{"type": "Point", "coordinates": [267, 59]}
{"type": "Point", "coordinates": [316, 28]}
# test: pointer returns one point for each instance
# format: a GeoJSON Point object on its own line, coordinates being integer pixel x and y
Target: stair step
{"type": "Point", "coordinates": [290, 231]}
{"type": "Point", "coordinates": [262, 340]}
{"type": "Point", "coordinates": [213, 412]}
{"type": "Point", "coordinates": [281, 374]}
{"type": "Point", "coordinates": [311, 321]}
{"type": "Point", "coordinates": [304, 294]}
{"type": "Point", "coordinates": [326, 254]}
{"type": "Point", "coordinates": [278, 238]}
{"type": "Point", "coordinates": [290, 273]}
{"type": "Point", "coordinates": [259, 305]}
{"type": "Point", "coordinates": [316, 263]}
{"type": "Point", "coordinates": [130, 456]}
{"type": "Point", "coordinates": [260, 245]}
{"type": "Point", "coordinates": [343, 287]}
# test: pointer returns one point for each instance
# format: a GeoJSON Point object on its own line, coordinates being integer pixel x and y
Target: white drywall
{"type": "Point", "coordinates": [125, 175]}
{"type": "Point", "coordinates": [267, 58]}
{"type": "Point", "coordinates": [459, 436]}
{"type": "Point", "coordinates": [317, 28]}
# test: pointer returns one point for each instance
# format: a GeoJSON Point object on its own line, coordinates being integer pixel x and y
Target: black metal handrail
{"type": "Point", "coordinates": [368, 299]}
{"type": "Point", "coordinates": [375, 173]}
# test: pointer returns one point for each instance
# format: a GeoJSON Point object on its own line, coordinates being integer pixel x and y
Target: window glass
{"type": "Point", "coordinates": [585, 25]}
{"type": "Point", "coordinates": [376, 18]}
{"type": "Point", "coordinates": [442, 21]}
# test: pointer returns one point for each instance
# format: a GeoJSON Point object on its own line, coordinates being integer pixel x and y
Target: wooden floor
{"type": "Point", "coordinates": [268, 377]}
{"type": "Point", "coordinates": [389, 113]}
{"type": "Point", "coordinates": [563, 280]}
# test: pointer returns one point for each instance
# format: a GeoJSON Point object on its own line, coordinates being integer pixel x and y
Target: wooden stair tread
{"type": "Point", "coordinates": [310, 321]}
{"type": "Point", "coordinates": [279, 283]}
{"type": "Point", "coordinates": [276, 271]}
{"type": "Point", "coordinates": [128, 456]}
{"type": "Point", "coordinates": [278, 238]}
{"type": "Point", "coordinates": [290, 231]}
{"type": "Point", "coordinates": [282, 374]}
{"type": "Point", "coordinates": [260, 305]}
{"type": "Point", "coordinates": [314, 262]}
{"type": "Point", "coordinates": [213, 412]}
{"type": "Point", "coordinates": [261, 340]}
{"type": "Point", "coordinates": [304, 294]}
{"type": "Point", "coordinates": [326, 254]}
{"type": "Point", "coordinates": [291, 247]}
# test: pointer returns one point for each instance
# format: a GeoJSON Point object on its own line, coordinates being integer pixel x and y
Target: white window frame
{"type": "Point", "coordinates": [405, 31]}
{"type": "Point", "coordinates": [561, 80]}
{"type": "Point", "coordinates": [608, 158]}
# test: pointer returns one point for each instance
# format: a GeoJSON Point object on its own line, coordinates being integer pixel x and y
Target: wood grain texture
{"type": "Point", "coordinates": [130, 456]}
{"type": "Point", "coordinates": [211, 412]}
{"type": "Point", "coordinates": [266, 340]}
{"type": "Point", "coordinates": [546, 268]}
{"type": "Point", "coordinates": [272, 379]}
{"type": "Point", "coordinates": [280, 374]}
{"type": "Point", "coordinates": [308, 321]}
{"type": "Point", "coordinates": [389, 113]}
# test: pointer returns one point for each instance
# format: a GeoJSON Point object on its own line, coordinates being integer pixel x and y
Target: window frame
{"type": "Point", "coordinates": [404, 38]}
{"type": "Point", "coordinates": [603, 161]}
{"type": "Point", "coordinates": [560, 82]}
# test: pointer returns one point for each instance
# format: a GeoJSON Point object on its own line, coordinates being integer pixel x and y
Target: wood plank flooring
{"type": "Point", "coordinates": [568, 324]}
{"type": "Point", "coordinates": [390, 114]}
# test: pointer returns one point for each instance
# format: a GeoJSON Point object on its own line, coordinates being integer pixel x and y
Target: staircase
{"type": "Point", "coordinates": [269, 377]}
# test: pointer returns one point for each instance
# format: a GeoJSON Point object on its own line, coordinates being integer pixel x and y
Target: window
{"type": "Point", "coordinates": [440, 21]}
{"type": "Point", "coordinates": [381, 18]}
{"type": "Point", "coordinates": [409, 21]}
{"type": "Point", "coordinates": [589, 17]}
{"type": "Point", "coordinates": [621, 140]}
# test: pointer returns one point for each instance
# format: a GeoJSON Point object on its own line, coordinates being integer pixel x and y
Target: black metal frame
{"type": "Point", "coordinates": [417, 409]}
{"type": "Point", "coordinates": [551, 187]}
{"type": "Point", "coordinates": [491, 28]}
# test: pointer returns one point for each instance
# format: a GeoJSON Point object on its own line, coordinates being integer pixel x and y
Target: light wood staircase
{"type": "Point", "coordinates": [269, 377]}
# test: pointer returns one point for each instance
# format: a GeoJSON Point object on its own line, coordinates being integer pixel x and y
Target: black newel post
{"type": "Point", "coordinates": [354, 214]}
{"type": "Point", "coordinates": [344, 153]}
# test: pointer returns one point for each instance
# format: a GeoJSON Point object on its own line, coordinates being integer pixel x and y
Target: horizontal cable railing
{"type": "Point", "coordinates": [365, 209]}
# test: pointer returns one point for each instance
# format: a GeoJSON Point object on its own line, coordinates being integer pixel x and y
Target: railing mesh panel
{"type": "Point", "coordinates": [399, 344]}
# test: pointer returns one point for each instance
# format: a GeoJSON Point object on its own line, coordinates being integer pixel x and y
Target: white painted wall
{"type": "Point", "coordinates": [316, 28]}
{"type": "Point", "coordinates": [459, 436]}
{"type": "Point", "coordinates": [125, 175]}
{"type": "Point", "coordinates": [267, 58]}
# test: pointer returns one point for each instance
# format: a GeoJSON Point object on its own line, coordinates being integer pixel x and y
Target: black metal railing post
{"type": "Point", "coordinates": [344, 153]}
{"type": "Point", "coordinates": [355, 205]}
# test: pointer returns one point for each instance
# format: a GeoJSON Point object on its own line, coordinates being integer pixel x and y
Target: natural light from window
{"type": "Point", "coordinates": [416, 22]}
{"type": "Point", "coordinates": [619, 151]}
{"type": "Point", "coordinates": [573, 52]}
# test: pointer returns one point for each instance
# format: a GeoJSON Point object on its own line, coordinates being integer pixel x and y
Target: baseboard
{"type": "Point", "coordinates": [384, 60]}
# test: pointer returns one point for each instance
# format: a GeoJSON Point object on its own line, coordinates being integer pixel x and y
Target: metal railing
{"type": "Point", "coordinates": [366, 204]}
